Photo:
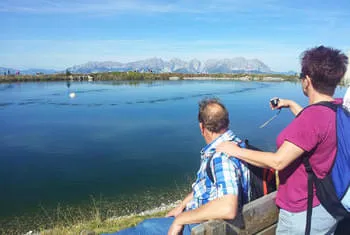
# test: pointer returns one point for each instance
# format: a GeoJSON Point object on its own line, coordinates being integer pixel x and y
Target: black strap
{"type": "Point", "coordinates": [310, 194]}
{"type": "Point", "coordinates": [209, 171]}
{"type": "Point", "coordinates": [328, 104]}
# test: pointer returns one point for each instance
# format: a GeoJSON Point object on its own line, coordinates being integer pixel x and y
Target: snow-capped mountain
{"type": "Point", "coordinates": [157, 65]}
{"type": "Point", "coordinates": [175, 65]}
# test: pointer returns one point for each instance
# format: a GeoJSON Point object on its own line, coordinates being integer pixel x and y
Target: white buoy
{"type": "Point", "coordinates": [72, 95]}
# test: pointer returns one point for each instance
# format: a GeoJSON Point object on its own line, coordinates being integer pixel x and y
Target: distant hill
{"type": "Point", "coordinates": [27, 71]}
{"type": "Point", "coordinates": [44, 71]}
{"type": "Point", "coordinates": [157, 65]}
{"type": "Point", "coordinates": [6, 70]}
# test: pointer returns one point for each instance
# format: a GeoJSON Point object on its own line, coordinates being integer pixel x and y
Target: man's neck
{"type": "Point", "coordinates": [211, 136]}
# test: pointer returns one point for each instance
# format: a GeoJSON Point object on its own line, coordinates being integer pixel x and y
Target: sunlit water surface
{"type": "Point", "coordinates": [126, 147]}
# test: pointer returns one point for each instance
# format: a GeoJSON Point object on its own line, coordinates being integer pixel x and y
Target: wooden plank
{"type": "Point", "coordinates": [268, 231]}
{"type": "Point", "coordinates": [215, 227]}
{"type": "Point", "coordinates": [199, 230]}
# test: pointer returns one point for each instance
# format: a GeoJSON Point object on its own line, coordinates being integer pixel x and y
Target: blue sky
{"type": "Point", "coordinates": [61, 33]}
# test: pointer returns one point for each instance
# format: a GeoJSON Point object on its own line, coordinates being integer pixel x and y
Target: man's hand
{"type": "Point", "coordinates": [175, 228]}
{"type": "Point", "coordinates": [176, 211]}
{"type": "Point", "coordinates": [230, 148]}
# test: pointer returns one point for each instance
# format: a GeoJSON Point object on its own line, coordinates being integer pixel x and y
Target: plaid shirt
{"type": "Point", "coordinates": [228, 172]}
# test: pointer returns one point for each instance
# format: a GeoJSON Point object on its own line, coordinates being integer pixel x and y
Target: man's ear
{"type": "Point", "coordinates": [201, 127]}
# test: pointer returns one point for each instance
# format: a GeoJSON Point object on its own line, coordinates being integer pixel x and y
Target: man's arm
{"type": "Point", "coordinates": [224, 207]}
{"type": "Point", "coordinates": [179, 209]}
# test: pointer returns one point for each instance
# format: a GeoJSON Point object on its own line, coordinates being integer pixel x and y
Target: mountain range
{"type": "Point", "coordinates": [158, 65]}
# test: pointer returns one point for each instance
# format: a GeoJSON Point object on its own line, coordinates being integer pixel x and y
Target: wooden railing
{"type": "Point", "coordinates": [257, 217]}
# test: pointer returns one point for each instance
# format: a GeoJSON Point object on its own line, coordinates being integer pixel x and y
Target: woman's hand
{"type": "Point", "coordinates": [282, 103]}
{"type": "Point", "coordinates": [228, 147]}
{"type": "Point", "coordinates": [295, 108]}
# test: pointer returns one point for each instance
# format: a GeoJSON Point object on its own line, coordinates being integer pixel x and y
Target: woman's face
{"type": "Point", "coordinates": [304, 83]}
{"type": "Point", "coordinates": [304, 86]}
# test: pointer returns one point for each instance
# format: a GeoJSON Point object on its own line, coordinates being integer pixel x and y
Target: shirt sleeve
{"type": "Point", "coordinates": [308, 129]}
{"type": "Point", "coordinates": [226, 175]}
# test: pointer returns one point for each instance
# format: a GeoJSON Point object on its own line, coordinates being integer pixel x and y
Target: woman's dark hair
{"type": "Point", "coordinates": [213, 115]}
{"type": "Point", "coordinates": [325, 66]}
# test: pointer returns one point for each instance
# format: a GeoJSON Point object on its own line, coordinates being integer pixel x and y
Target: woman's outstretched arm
{"type": "Point", "coordinates": [285, 155]}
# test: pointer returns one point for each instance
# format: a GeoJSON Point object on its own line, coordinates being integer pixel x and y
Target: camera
{"type": "Point", "coordinates": [274, 102]}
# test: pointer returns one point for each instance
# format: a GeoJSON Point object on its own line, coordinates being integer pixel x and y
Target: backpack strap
{"type": "Point", "coordinates": [328, 104]}
{"type": "Point", "coordinates": [310, 193]}
{"type": "Point", "coordinates": [208, 169]}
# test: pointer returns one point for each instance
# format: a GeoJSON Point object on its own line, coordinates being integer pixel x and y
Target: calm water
{"type": "Point", "coordinates": [117, 140]}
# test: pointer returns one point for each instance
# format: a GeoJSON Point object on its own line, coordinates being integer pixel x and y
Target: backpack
{"type": "Point", "coordinates": [262, 181]}
{"type": "Point", "coordinates": [333, 190]}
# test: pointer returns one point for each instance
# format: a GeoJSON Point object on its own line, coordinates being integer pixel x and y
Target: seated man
{"type": "Point", "coordinates": [217, 192]}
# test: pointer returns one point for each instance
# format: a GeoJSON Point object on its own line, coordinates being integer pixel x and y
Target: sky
{"type": "Point", "coordinates": [56, 34]}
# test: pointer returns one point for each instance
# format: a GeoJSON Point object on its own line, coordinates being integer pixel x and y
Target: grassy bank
{"type": "Point", "coordinates": [136, 76]}
{"type": "Point", "coordinates": [99, 226]}
{"type": "Point", "coordinates": [99, 214]}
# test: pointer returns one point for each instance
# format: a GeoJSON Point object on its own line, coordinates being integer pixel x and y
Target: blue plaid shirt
{"type": "Point", "coordinates": [231, 176]}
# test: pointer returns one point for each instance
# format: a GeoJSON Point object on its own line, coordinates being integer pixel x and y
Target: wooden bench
{"type": "Point", "coordinates": [258, 217]}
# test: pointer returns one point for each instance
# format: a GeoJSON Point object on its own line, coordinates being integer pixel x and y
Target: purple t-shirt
{"type": "Point", "coordinates": [314, 129]}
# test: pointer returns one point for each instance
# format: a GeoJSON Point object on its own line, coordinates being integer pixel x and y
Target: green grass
{"type": "Point", "coordinates": [100, 226]}
{"type": "Point", "coordinates": [96, 213]}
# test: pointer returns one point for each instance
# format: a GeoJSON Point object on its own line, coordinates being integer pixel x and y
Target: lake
{"type": "Point", "coordinates": [124, 146]}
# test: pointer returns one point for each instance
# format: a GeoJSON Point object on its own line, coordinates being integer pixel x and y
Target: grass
{"type": "Point", "coordinates": [100, 226]}
{"type": "Point", "coordinates": [99, 214]}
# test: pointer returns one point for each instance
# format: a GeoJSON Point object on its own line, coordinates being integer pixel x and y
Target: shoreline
{"type": "Point", "coordinates": [136, 76]}
{"type": "Point", "coordinates": [102, 215]}
{"type": "Point", "coordinates": [106, 226]}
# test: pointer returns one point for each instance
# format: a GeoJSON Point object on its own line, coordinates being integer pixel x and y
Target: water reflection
{"type": "Point", "coordinates": [48, 101]}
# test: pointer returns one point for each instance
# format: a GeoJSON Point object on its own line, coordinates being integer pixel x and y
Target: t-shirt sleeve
{"type": "Point", "coordinates": [308, 129]}
{"type": "Point", "coordinates": [226, 175]}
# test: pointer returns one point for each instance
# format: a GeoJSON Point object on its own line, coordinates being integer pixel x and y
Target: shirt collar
{"type": "Point", "coordinates": [209, 149]}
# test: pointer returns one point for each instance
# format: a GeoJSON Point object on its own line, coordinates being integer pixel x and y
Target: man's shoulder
{"type": "Point", "coordinates": [224, 159]}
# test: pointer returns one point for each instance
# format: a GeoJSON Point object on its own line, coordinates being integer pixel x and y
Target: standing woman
{"type": "Point", "coordinates": [311, 134]}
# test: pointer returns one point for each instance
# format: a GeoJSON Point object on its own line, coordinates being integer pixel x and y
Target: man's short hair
{"type": "Point", "coordinates": [325, 66]}
{"type": "Point", "coordinates": [213, 115]}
